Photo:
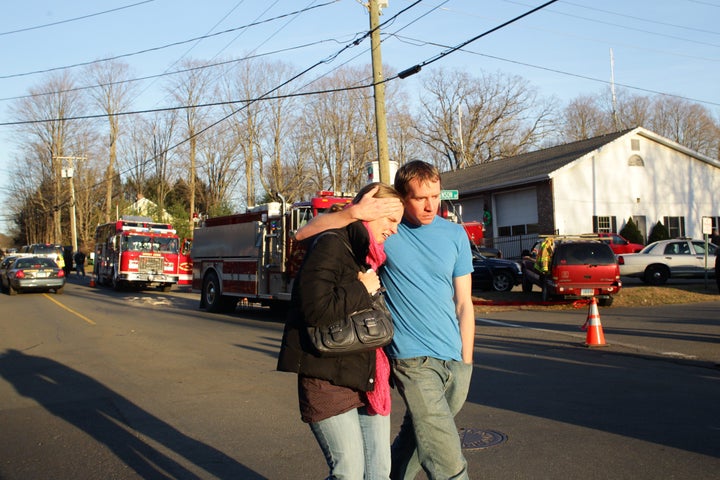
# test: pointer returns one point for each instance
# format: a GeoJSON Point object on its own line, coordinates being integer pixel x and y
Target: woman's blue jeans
{"type": "Point", "coordinates": [434, 392]}
{"type": "Point", "coordinates": [356, 445]}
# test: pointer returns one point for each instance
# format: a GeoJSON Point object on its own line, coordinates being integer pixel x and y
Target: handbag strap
{"type": "Point", "coordinates": [345, 242]}
{"type": "Point", "coordinates": [381, 290]}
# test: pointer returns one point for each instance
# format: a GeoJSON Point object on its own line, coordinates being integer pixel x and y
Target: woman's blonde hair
{"type": "Point", "coordinates": [384, 191]}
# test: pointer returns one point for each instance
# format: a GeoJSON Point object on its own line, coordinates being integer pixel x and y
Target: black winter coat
{"type": "Point", "coordinates": [327, 288]}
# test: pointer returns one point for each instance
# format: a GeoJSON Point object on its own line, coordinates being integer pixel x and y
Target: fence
{"type": "Point", "coordinates": [513, 246]}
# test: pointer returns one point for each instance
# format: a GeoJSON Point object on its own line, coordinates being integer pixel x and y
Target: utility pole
{"type": "Point", "coordinates": [68, 173]}
{"type": "Point", "coordinates": [379, 91]}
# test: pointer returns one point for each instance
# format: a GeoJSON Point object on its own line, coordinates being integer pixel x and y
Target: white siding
{"type": "Point", "coordinates": [671, 183]}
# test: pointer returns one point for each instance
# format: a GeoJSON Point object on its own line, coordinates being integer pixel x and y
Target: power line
{"type": "Point", "coordinates": [186, 107]}
{"type": "Point", "coordinates": [561, 72]}
{"type": "Point", "coordinates": [162, 47]}
{"type": "Point", "coordinates": [416, 68]}
{"type": "Point", "coordinates": [353, 43]}
{"type": "Point", "coordinates": [265, 96]}
{"type": "Point", "coordinates": [69, 20]}
{"type": "Point", "coordinates": [175, 72]}
{"type": "Point", "coordinates": [640, 19]}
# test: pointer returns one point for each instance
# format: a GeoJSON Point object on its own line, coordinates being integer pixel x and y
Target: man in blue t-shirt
{"type": "Point", "coordinates": [428, 282]}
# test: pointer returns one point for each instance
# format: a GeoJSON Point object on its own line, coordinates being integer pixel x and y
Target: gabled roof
{"type": "Point", "coordinates": [148, 208]}
{"type": "Point", "coordinates": [523, 169]}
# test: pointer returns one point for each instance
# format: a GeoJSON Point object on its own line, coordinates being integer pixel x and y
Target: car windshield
{"type": "Point", "coordinates": [585, 253]}
{"type": "Point", "coordinates": [148, 243]}
{"type": "Point", "coordinates": [34, 263]}
{"type": "Point", "coordinates": [43, 249]}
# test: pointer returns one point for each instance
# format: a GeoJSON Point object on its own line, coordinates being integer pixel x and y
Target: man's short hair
{"type": "Point", "coordinates": [415, 170]}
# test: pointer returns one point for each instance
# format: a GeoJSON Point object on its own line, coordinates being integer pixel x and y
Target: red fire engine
{"type": "Point", "coordinates": [136, 252]}
{"type": "Point", "coordinates": [185, 263]}
{"type": "Point", "coordinates": [253, 255]}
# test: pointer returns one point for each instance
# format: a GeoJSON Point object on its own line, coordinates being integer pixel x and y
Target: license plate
{"type": "Point", "coordinates": [587, 292]}
{"type": "Point", "coordinates": [41, 275]}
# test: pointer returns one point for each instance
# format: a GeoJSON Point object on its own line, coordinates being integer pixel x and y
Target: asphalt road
{"type": "Point", "coordinates": [96, 384]}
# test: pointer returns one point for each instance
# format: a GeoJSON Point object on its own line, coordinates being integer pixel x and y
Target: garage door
{"type": "Point", "coordinates": [516, 208]}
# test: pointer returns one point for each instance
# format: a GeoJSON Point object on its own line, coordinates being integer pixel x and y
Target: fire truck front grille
{"type": "Point", "coordinates": [150, 264]}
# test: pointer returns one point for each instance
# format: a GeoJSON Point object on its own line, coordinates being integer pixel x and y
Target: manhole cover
{"type": "Point", "coordinates": [475, 439]}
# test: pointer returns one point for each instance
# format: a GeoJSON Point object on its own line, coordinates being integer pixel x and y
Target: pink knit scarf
{"type": "Point", "coordinates": [379, 400]}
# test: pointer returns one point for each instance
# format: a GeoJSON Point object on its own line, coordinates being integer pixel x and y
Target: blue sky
{"type": "Point", "coordinates": [563, 50]}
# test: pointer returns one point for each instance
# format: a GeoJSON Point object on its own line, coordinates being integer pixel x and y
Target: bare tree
{"type": "Point", "coordinates": [49, 136]}
{"type": "Point", "coordinates": [404, 143]}
{"type": "Point", "coordinates": [219, 167]}
{"type": "Point", "coordinates": [191, 89]}
{"type": "Point", "coordinates": [336, 127]}
{"type": "Point", "coordinates": [689, 124]}
{"type": "Point", "coordinates": [682, 121]}
{"type": "Point", "coordinates": [246, 83]}
{"type": "Point", "coordinates": [584, 118]}
{"type": "Point", "coordinates": [112, 94]}
{"type": "Point", "coordinates": [632, 110]}
{"type": "Point", "coordinates": [468, 120]}
{"type": "Point", "coordinates": [148, 158]}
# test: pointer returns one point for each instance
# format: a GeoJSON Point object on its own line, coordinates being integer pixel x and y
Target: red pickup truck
{"type": "Point", "coordinates": [618, 244]}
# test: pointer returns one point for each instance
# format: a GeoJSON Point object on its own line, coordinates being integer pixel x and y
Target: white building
{"type": "Point", "coordinates": [593, 185]}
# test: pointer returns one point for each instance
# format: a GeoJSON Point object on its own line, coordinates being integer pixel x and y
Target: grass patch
{"type": "Point", "coordinates": [629, 296]}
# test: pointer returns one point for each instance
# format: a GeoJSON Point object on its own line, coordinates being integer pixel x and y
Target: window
{"type": "Point", "coordinates": [675, 226]}
{"type": "Point", "coordinates": [604, 224]}
{"type": "Point", "coordinates": [634, 144]}
{"type": "Point", "coordinates": [715, 224]}
{"type": "Point", "coordinates": [511, 230]}
{"type": "Point", "coordinates": [636, 161]}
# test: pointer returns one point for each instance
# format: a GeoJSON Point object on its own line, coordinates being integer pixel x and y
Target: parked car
{"type": "Point", "coordinates": [495, 273]}
{"type": "Point", "coordinates": [48, 250]}
{"type": "Point", "coordinates": [619, 244]}
{"type": "Point", "coordinates": [32, 273]}
{"type": "Point", "coordinates": [4, 264]}
{"type": "Point", "coordinates": [577, 267]}
{"type": "Point", "coordinates": [488, 252]}
{"type": "Point", "coordinates": [665, 259]}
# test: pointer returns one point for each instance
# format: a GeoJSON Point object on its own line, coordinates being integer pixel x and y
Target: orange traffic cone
{"type": "Point", "coordinates": [595, 336]}
{"type": "Point", "coordinates": [92, 280]}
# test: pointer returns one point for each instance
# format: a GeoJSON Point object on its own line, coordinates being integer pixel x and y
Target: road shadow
{"type": "Point", "coordinates": [630, 395]}
{"type": "Point", "coordinates": [114, 421]}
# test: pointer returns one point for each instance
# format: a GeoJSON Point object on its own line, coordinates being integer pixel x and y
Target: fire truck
{"type": "Point", "coordinates": [252, 257]}
{"type": "Point", "coordinates": [136, 252]}
{"type": "Point", "coordinates": [185, 263]}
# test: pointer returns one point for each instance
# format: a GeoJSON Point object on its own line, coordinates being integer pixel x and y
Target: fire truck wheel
{"type": "Point", "coordinates": [211, 293]}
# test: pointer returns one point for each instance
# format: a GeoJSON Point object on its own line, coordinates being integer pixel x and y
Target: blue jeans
{"type": "Point", "coordinates": [356, 445]}
{"type": "Point", "coordinates": [434, 391]}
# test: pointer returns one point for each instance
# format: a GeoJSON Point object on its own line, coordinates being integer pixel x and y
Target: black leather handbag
{"type": "Point", "coordinates": [360, 331]}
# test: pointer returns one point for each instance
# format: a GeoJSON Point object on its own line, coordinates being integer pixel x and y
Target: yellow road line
{"type": "Point", "coordinates": [69, 309]}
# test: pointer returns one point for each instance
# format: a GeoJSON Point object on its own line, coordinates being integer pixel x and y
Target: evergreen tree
{"type": "Point", "coordinates": [631, 232]}
{"type": "Point", "coordinates": [659, 232]}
